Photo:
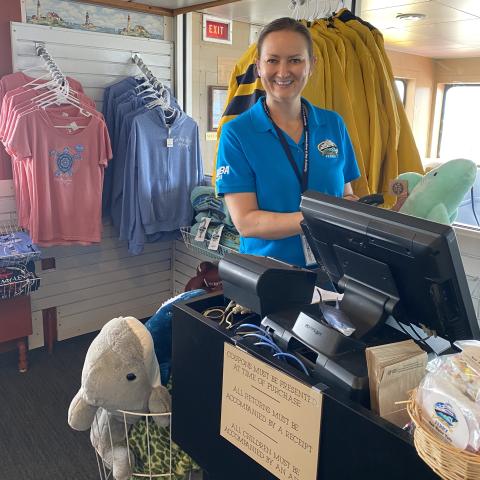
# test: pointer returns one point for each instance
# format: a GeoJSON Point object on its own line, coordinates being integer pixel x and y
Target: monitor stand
{"type": "Point", "coordinates": [370, 297]}
{"type": "Point", "coordinates": [370, 293]}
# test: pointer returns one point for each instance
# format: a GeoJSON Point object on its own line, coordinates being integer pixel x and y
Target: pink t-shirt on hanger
{"type": "Point", "coordinates": [66, 174]}
{"type": "Point", "coordinates": [20, 101]}
{"type": "Point", "coordinates": [11, 82]}
{"type": "Point", "coordinates": [62, 115]}
{"type": "Point", "coordinates": [18, 79]}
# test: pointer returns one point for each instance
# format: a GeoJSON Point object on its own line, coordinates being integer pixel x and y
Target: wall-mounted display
{"type": "Point", "coordinates": [216, 104]}
{"type": "Point", "coordinates": [82, 16]}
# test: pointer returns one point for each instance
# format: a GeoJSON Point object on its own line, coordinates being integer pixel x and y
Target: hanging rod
{"type": "Point", "coordinates": [50, 63]}
{"type": "Point", "coordinates": [147, 72]}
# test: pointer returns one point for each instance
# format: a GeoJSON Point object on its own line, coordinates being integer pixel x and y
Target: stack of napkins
{"type": "Point", "coordinates": [393, 370]}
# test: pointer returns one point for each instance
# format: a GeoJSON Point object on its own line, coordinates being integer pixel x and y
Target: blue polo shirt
{"type": "Point", "coordinates": [251, 159]}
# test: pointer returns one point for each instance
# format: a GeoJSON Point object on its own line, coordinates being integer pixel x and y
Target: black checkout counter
{"type": "Point", "coordinates": [386, 265]}
{"type": "Point", "coordinates": [354, 442]}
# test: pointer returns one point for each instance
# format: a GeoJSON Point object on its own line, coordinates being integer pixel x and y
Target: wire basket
{"type": "Point", "coordinates": [16, 281]}
{"type": "Point", "coordinates": [16, 246]}
{"type": "Point", "coordinates": [201, 247]}
{"type": "Point", "coordinates": [140, 468]}
{"type": "Point", "coordinates": [147, 447]}
{"type": "Point", "coordinates": [446, 461]}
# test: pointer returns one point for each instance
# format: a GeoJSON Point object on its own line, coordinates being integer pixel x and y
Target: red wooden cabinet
{"type": "Point", "coordinates": [16, 324]}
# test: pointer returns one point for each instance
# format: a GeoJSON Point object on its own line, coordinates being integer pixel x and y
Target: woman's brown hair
{"type": "Point", "coordinates": [289, 24]}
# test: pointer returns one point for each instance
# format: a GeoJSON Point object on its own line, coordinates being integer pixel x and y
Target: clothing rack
{"type": "Point", "coordinates": [51, 65]}
{"type": "Point", "coordinates": [155, 83]}
{"type": "Point", "coordinates": [311, 10]}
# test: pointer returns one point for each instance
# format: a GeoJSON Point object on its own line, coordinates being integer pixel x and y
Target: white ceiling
{"type": "Point", "coordinates": [451, 28]}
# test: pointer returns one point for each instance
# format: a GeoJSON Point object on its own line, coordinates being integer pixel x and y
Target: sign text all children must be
{"type": "Point", "coordinates": [270, 416]}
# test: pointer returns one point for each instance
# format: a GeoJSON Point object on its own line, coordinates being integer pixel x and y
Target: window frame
{"type": "Point", "coordinates": [405, 86]}
{"type": "Point", "coordinates": [447, 87]}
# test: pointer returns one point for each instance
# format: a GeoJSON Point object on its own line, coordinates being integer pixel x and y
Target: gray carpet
{"type": "Point", "coordinates": [35, 439]}
{"type": "Point", "coordinates": [36, 442]}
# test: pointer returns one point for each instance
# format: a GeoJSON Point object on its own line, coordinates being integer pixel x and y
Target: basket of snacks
{"type": "Point", "coordinates": [445, 410]}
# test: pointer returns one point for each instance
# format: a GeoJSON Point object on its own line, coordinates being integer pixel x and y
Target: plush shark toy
{"type": "Point", "coordinates": [120, 372]}
{"type": "Point", "coordinates": [436, 195]}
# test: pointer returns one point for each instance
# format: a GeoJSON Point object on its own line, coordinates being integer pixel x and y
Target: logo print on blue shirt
{"type": "Point", "coordinates": [328, 149]}
{"type": "Point", "coordinates": [64, 160]}
{"type": "Point", "coordinates": [225, 170]}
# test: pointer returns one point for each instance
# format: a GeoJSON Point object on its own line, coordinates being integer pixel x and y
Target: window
{"type": "Point", "coordinates": [401, 85]}
{"type": "Point", "coordinates": [459, 132]}
{"type": "Point", "coordinates": [459, 138]}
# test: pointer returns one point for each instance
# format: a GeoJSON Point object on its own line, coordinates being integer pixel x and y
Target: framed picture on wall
{"type": "Point", "coordinates": [217, 96]}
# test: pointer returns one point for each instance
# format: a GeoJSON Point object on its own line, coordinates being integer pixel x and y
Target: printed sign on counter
{"type": "Point", "coordinates": [270, 416]}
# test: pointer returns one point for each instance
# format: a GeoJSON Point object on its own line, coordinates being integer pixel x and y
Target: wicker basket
{"type": "Point", "coordinates": [446, 461]}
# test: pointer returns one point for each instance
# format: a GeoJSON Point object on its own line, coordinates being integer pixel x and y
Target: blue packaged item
{"type": "Point", "coordinates": [160, 327]}
{"type": "Point", "coordinates": [17, 244]}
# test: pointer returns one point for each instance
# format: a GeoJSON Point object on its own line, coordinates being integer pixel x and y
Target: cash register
{"type": "Point", "coordinates": [388, 266]}
{"type": "Point", "coordinates": [391, 269]}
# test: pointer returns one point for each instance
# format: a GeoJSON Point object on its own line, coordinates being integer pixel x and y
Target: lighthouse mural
{"type": "Point", "coordinates": [94, 18]}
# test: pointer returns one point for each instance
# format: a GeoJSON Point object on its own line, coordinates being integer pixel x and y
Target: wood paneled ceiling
{"type": "Point", "coordinates": [450, 28]}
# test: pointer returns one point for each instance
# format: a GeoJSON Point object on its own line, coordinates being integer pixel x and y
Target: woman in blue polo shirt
{"type": "Point", "coordinates": [281, 147]}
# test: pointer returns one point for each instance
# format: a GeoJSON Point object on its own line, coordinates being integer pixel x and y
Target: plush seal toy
{"type": "Point", "coordinates": [120, 373]}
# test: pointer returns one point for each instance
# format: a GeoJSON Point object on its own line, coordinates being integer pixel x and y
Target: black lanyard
{"type": "Point", "coordinates": [302, 177]}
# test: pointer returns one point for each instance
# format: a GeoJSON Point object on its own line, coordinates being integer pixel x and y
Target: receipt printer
{"type": "Point", "coordinates": [265, 285]}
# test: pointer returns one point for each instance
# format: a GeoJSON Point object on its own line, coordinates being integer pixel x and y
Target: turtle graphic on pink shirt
{"type": "Point", "coordinates": [64, 160]}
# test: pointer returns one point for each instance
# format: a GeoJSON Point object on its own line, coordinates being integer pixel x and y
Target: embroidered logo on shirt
{"type": "Point", "coordinates": [64, 160]}
{"type": "Point", "coordinates": [225, 170]}
{"type": "Point", "coordinates": [182, 142]}
{"type": "Point", "coordinates": [328, 149]}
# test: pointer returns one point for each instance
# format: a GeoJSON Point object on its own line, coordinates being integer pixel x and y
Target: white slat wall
{"type": "Point", "coordinates": [8, 213]}
{"type": "Point", "coordinates": [469, 244]}
{"type": "Point", "coordinates": [96, 60]}
{"type": "Point", "coordinates": [91, 285]}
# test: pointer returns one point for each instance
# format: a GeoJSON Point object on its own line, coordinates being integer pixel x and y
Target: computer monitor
{"type": "Point", "coordinates": [387, 263]}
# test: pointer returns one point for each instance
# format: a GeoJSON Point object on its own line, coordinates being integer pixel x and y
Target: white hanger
{"type": "Point", "coordinates": [153, 89]}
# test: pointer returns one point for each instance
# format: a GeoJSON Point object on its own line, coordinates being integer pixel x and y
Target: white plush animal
{"type": "Point", "coordinates": [120, 373]}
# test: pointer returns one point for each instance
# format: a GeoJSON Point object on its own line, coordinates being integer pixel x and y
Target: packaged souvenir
{"type": "Point", "coordinates": [449, 397]}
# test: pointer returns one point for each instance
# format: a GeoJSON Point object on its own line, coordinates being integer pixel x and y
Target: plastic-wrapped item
{"type": "Point", "coordinates": [449, 397]}
{"type": "Point", "coordinates": [337, 319]}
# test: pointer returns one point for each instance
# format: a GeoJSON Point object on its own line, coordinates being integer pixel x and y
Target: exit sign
{"type": "Point", "coordinates": [217, 30]}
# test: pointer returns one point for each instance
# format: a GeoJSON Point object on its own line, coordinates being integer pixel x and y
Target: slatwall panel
{"type": "Point", "coordinates": [95, 59]}
{"type": "Point", "coordinates": [91, 285]}
{"type": "Point", "coordinates": [7, 203]}
{"type": "Point", "coordinates": [469, 243]}
{"type": "Point", "coordinates": [185, 264]}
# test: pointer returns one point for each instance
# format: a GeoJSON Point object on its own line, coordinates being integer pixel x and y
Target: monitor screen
{"type": "Point", "coordinates": [382, 260]}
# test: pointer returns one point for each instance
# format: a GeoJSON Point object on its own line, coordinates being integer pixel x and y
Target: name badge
{"type": "Point", "coordinates": [307, 252]}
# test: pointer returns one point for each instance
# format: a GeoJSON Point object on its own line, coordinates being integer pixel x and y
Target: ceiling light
{"type": "Point", "coordinates": [412, 17]}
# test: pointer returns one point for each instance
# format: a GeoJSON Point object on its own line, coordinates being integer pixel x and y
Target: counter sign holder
{"type": "Point", "coordinates": [270, 416]}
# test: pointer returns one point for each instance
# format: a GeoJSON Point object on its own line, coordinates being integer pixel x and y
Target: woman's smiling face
{"type": "Point", "coordinates": [284, 65]}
